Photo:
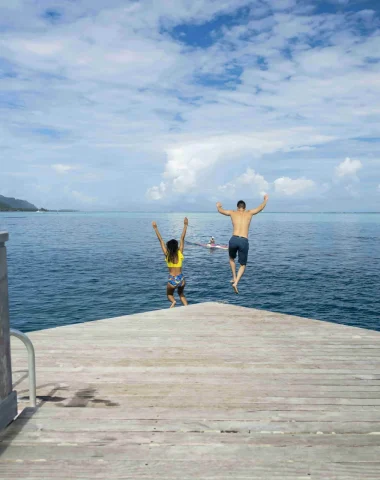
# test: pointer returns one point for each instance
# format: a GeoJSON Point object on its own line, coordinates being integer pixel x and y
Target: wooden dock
{"type": "Point", "coordinates": [211, 391]}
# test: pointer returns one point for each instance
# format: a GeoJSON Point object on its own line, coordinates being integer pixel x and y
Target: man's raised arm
{"type": "Point", "coordinates": [222, 211]}
{"type": "Point", "coordinates": [261, 207]}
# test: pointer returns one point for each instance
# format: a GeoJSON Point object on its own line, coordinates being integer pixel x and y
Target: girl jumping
{"type": "Point", "coordinates": [174, 258]}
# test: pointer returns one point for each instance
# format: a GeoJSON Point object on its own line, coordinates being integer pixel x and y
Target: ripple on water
{"type": "Point", "coordinates": [71, 268]}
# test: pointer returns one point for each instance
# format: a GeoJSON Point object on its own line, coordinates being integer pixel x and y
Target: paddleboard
{"type": "Point", "coordinates": [211, 246]}
{"type": "Point", "coordinates": [214, 245]}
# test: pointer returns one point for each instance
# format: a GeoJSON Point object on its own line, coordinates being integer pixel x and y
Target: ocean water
{"type": "Point", "coordinates": [74, 267]}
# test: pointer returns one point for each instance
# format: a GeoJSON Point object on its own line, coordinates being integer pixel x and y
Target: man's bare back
{"type": "Point", "coordinates": [241, 221]}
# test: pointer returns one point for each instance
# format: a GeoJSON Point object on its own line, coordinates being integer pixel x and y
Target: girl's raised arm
{"type": "Point", "coordinates": [162, 243]}
{"type": "Point", "coordinates": [182, 242]}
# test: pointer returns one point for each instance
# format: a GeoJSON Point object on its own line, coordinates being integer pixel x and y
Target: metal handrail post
{"type": "Point", "coordinates": [31, 363]}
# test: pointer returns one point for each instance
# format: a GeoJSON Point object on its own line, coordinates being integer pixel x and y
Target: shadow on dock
{"type": "Point", "coordinates": [15, 428]}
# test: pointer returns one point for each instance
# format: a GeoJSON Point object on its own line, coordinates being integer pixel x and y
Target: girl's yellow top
{"type": "Point", "coordinates": [179, 263]}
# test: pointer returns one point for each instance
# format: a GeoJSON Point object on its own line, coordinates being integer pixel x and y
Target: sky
{"type": "Point", "coordinates": [173, 105]}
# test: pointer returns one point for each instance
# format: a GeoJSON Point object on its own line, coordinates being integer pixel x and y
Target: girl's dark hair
{"type": "Point", "coordinates": [172, 251]}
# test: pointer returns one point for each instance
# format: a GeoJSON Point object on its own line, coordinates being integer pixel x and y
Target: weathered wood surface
{"type": "Point", "coordinates": [8, 405]}
{"type": "Point", "coordinates": [211, 391]}
{"type": "Point", "coordinates": [5, 359]}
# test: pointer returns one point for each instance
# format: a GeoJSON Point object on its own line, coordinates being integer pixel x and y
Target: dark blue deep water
{"type": "Point", "coordinates": [74, 267]}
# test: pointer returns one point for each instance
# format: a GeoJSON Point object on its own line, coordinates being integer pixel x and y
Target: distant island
{"type": "Point", "coordinates": [10, 204]}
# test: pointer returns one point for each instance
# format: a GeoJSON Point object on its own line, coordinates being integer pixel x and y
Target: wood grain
{"type": "Point", "coordinates": [211, 391]}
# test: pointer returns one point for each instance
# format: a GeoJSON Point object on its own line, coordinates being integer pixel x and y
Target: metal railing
{"type": "Point", "coordinates": [31, 364]}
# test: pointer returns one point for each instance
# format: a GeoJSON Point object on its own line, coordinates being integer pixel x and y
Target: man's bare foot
{"type": "Point", "coordinates": [173, 304]}
{"type": "Point", "coordinates": [234, 286]}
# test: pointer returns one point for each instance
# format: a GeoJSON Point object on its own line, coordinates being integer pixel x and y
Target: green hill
{"type": "Point", "coordinates": [4, 206]}
{"type": "Point", "coordinates": [10, 203]}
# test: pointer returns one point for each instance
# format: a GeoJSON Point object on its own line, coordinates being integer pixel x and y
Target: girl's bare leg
{"type": "Point", "coordinates": [182, 294]}
{"type": "Point", "coordinates": [170, 294]}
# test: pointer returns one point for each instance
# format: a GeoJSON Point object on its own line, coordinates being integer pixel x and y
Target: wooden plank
{"type": "Point", "coordinates": [92, 414]}
{"type": "Point", "coordinates": [221, 452]}
{"type": "Point", "coordinates": [101, 468]}
{"type": "Point", "coordinates": [87, 434]}
{"type": "Point", "coordinates": [81, 443]}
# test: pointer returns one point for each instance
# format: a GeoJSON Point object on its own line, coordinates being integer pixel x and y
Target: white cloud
{"type": "Point", "coordinates": [289, 186]}
{"type": "Point", "coordinates": [189, 161]}
{"type": "Point", "coordinates": [62, 169]}
{"type": "Point", "coordinates": [156, 193]}
{"type": "Point", "coordinates": [228, 188]}
{"type": "Point", "coordinates": [253, 179]}
{"type": "Point", "coordinates": [189, 165]}
{"type": "Point", "coordinates": [254, 182]}
{"type": "Point", "coordinates": [348, 167]}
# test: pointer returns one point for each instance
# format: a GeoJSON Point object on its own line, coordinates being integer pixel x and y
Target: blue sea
{"type": "Point", "coordinates": [66, 268]}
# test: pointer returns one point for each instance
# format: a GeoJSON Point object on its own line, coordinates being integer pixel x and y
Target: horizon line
{"type": "Point", "coordinates": [188, 211]}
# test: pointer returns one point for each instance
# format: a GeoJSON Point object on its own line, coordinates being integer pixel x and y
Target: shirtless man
{"type": "Point", "coordinates": [241, 220]}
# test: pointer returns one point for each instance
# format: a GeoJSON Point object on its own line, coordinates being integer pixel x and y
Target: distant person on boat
{"type": "Point", "coordinates": [241, 220]}
{"type": "Point", "coordinates": [211, 241]}
{"type": "Point", "coordinates": [174, 259]}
